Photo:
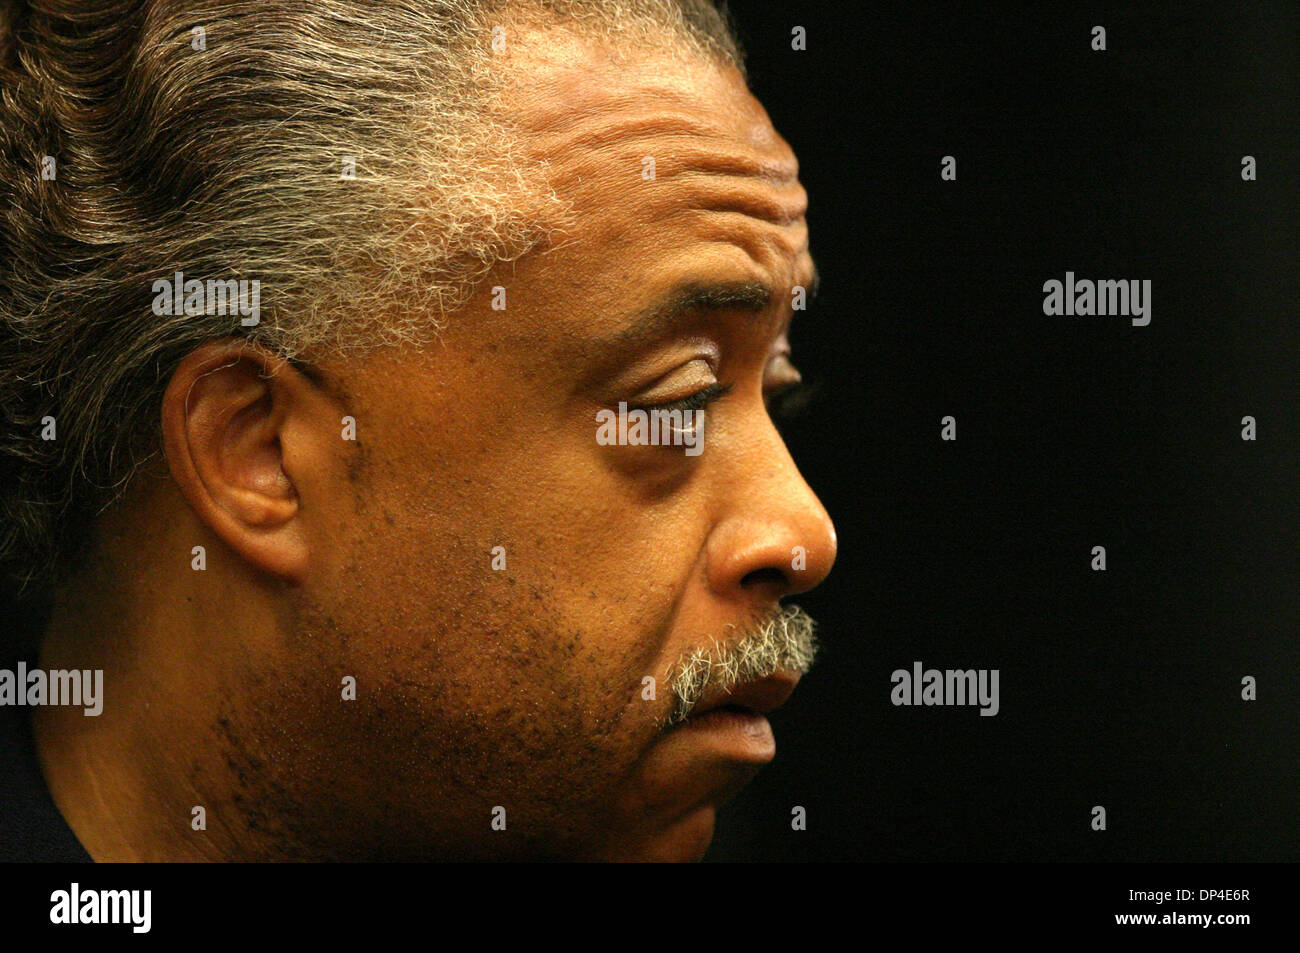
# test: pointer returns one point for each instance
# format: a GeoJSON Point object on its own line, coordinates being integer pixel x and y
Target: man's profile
{"type": "Point", "coordinates": [387, 395]}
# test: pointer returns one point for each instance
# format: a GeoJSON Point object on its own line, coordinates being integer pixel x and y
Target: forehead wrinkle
{"type": "Point", "coordinates": [677, 149]}
{"type": "Point", "coordinates": [764, 187]}
{"type": "Point", "coordinates": [605, 125]}
{"type": "Point", "coordinates": [683, 142]}
{"type": "Point", "coordinates": [593, 120]}
{"type": "Point", "coordinates": [784, 206]}
{"type": "Point", "coordinates": [781, 172]}
{"type": "Point", "coordinates": [776, 249]}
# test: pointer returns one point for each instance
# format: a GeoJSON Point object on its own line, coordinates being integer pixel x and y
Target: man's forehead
{"type": "Point", "coordinates": [571, 98]}
{"type": "Point", "coordinates": [673, 172]}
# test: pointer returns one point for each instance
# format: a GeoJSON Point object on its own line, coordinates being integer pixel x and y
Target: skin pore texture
{"type": "Point", "coordinates": [475, 688]}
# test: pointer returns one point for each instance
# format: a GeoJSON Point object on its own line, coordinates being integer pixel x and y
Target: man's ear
{"type": "Point", "coordinates": [236, 425]}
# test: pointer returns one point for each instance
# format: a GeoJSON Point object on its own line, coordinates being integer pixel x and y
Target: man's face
{"type": "Point", "coordinates": [524, 687]}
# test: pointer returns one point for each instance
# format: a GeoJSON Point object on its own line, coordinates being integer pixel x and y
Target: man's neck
{"type": "Point", "coordinates": [128, 780]}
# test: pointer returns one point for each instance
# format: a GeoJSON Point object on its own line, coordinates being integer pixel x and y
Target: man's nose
{"type": "Point", "coordinates": [775, 538]}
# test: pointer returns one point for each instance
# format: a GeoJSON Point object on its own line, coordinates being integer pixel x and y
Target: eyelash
{"type": "Point", "coordinates": [784, 403]}
{"type": "Point", "coordinates": [697, 401]}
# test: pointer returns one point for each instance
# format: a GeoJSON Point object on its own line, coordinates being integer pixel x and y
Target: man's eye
{"type": "Point", "coordinates": [789, 401]}
{"type": "Point", "coordinates": [697, 401]}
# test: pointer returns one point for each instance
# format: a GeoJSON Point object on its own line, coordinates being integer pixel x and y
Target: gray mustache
{"type": "Point", "coordinates": [784, 642]}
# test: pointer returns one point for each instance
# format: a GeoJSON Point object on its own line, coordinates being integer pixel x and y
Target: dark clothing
{"type": "Point", "coordinates": [31, 827]}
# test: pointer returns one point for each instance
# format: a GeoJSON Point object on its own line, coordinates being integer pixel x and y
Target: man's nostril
{"type": "Point", "coordinates": [766, 576]}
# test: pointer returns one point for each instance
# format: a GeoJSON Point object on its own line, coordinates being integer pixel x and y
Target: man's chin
{"type": "Point", "coordinates": [672, 800]}
{"type": "Point", "coordinates": [685, 840]}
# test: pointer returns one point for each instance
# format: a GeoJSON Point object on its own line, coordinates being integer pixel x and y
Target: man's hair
{"type": "Point", "coordinates": [339, 152]}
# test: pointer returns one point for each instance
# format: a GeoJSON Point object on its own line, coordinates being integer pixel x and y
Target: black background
{"type": "Point", "coordinates": [1119, 688]}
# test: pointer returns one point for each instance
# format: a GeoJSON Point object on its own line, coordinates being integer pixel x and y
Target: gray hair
{"type": "Point", "coordinates": [785, 642]}
{"type": "Point", "coordinates": [210, 138]}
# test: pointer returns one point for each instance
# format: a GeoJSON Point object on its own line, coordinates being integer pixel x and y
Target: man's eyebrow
{"type": "Point", "coordinates": [659, 318]}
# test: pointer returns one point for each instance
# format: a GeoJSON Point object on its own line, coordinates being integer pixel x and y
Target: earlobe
{"type": "Point", "coordinates": [224, 421]}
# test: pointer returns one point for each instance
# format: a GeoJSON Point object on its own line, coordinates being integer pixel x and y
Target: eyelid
{"type": "Point", "coordinates": [696, 401]}
{"type": "Point", "coordinates": [680, 380]}
{"type": "Point", "coordinates": [694, 352]}
{"type": "Point", "coordinates": [787, 373]}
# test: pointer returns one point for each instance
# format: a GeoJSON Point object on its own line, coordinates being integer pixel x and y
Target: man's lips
{"type": "Point", "coordinates": [731, 727]}
{"type": "Point", "coordinates": [761, 696]}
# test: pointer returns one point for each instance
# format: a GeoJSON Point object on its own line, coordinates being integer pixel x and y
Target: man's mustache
{"type": "Point", "coordinates": [783, 642]}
